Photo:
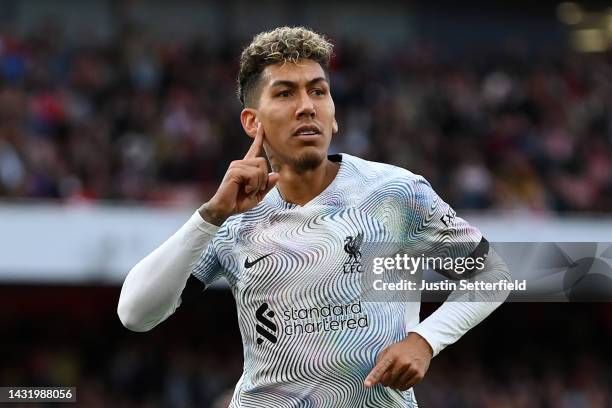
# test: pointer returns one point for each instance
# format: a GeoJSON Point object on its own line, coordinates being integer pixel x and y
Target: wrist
{"type": "Point", "coordinates": [416, 337]}
{"type": "Point", "coordinates": [212, 215]}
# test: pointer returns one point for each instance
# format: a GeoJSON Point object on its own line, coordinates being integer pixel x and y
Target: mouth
{"type": "Point", "coordinates": [307, 131]}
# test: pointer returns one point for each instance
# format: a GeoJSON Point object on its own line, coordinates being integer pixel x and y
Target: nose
{"type": "Point", "coordinates": [306, 107]}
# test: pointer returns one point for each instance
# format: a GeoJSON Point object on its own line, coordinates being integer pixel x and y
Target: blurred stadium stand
{"type": "Point", "coordinates": [109, 103]}
{"type": "Point", "coordinates": [116, 113]}
{"type": "Point", "coordinates": [528, 355]}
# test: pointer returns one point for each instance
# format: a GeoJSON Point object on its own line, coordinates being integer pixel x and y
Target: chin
{"type": "Point", "coordinates": [309, 160]}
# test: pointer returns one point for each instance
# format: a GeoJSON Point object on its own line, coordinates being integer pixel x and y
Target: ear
{"type": "Point", "coordinates": [334, 127]}
{"type": "Point", "coordinates": [248, 118]}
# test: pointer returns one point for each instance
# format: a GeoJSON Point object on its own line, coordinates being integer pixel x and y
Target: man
{"type": "Point", "coordinates": [288, 242]}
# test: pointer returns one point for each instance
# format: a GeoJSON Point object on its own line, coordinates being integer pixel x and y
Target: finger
{"type": "Point", "coordinates": [396, 372]}
{"type": "Point", "coordinates": [260, 163]}
{"type": "Point", "coordinates": [388, 379]}
{"type": "Point", "coordinates": [407, 380]}
{"type": "Point", "coordinates": [257, 146]}
{"type": "Point", "coordinates": [257, 180]}
{"type": "Point", "coordinates": [250, 177]}
{"type": "Point", "coordinates": [272, 180]}
{"type": "Point", "coordinates": [256, 162]}
{"type": "Point", "coordinates": [398, 379]}
{"type": "Point", "coordinates": [377, 372]}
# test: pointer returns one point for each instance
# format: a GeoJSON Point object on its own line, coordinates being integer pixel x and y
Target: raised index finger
{"type": "Point", "coordinates": [377, 372]}
{"type": "Point", "coordinates": [257, 146]}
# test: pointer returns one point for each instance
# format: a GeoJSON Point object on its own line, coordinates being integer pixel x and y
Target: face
{"type": "Point", "coordinates": [297, 113]}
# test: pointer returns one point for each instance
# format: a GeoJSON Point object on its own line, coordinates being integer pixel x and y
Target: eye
{"type": "Point", "coordinates": [319, 92]}
{"type": "Point", "coordinates": [283, 94]}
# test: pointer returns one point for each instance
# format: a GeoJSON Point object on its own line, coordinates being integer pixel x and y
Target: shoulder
{"type": "Point", "coordinates": [239, 224]}
{"type": "Point", "coordinates": [385, 179]}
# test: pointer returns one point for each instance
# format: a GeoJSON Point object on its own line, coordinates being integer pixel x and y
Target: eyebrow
{"type": "Point", "coordinates": [292, 84]}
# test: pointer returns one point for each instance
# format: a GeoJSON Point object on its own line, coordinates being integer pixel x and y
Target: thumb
{"type": "Point", "coordinates": [272, 180]}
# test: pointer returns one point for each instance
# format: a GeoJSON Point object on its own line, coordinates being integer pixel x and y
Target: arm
{"type": "Point", "coordinates": [435, 229]}
{"type": "Point", "coordinates": [405, 363]}
{"type": "Point", "coordinates": [152, 290]}
{"type": "Point", "coordinates": [465, 309]}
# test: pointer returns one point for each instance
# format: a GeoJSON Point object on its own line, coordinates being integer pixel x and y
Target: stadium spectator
{"type": "Point", "coordinates": [141, 119]}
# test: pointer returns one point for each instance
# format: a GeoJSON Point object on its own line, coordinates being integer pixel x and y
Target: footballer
{"type": "Point", "coordinates": [289, 243]}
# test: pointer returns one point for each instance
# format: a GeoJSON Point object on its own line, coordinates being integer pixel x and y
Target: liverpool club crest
{"type": "Point", "coordinates": [352, 246]}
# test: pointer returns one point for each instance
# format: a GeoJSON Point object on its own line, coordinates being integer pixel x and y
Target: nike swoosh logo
{"type": "Point", "coordinates": [248, 264]}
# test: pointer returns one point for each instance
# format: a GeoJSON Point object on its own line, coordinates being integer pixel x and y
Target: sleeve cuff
{"type": "Point", "coordinates": [196, 221]}
{"type": "Point", "coordinates": [436, 347]}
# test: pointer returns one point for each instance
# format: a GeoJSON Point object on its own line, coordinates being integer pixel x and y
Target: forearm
{"type": "Point", "coordinates": [465, 309]}
{"type": "Point", "coordinates": [152, 290]}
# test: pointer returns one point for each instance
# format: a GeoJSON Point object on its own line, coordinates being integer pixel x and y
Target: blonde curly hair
{"type": "Point", "coordinates": [283, 44]}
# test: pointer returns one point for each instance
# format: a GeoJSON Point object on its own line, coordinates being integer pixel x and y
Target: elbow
{"type": "Point", "coordinates": [504, 274]}
{"type": "Point", "coordinates": [501, 266]}
{"type": "Point", "coordinates": [130, 319]}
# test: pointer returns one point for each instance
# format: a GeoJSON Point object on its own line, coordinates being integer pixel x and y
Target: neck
{"type": "Point", "coordinates": [301, 187]}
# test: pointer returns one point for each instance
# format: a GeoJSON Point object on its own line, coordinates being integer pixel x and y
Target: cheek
{"type": "Point", "coordinates": [330, 108]}
{"type": "Point", "coordinates": [275, 127]}
{"type": "Point", "coordinates": [330, 111]}
{"type": "Point", "coordinates": [267, 118]}
{"type": "Point", "coordinates": [276, 117]}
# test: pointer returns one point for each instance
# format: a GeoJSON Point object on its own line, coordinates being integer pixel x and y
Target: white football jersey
{"type": "Point", "coordinates": [309, 337]}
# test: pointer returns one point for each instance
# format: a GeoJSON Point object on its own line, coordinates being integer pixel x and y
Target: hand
{"type": "Point", "coordinates": [402, 364]}
{"type": "Point", "coordinates": [244, 185]}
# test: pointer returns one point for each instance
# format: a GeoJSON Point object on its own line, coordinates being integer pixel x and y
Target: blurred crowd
{"type": "Point", "coordinates": [548, 356]}
{"type": "Point", "coordinates": [139, 375]}
{"type": "Point", "coordinates": [144, 119]}
{"type": "Point", "coordinates": [520, 385]}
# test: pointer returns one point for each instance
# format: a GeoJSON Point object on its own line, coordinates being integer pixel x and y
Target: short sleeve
{"type": "Point", "coordinates": [433, 228]}
{"type": "Point", "coordinates": [208, 268]}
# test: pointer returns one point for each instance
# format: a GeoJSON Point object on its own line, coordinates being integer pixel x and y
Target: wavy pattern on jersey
{"type": "Point", "coordinates": [306, 260]}
{"type": "Point", "coordinates": [318, 370]}
{"type": "Point", "coordinates": [305, 270]}
{"type": "Point", "coordinates": [412, 211]}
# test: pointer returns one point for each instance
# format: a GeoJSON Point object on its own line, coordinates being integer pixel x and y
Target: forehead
{"type": "Point", "coordinates": [301, 71]}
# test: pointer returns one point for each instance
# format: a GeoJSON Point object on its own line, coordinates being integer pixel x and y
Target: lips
{"type": "Point", "coordinates": [307, 130]}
